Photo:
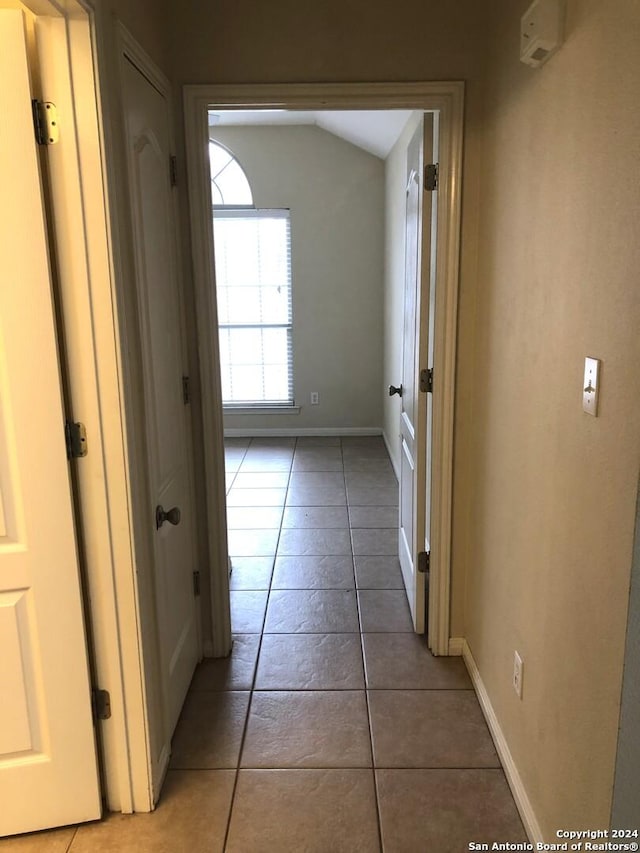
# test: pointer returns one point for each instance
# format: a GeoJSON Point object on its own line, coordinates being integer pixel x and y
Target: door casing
{"type": "Point", "coordinates": [163, 706]}
{"type": "Point", "coordinates": [415, 432]}
{"type": "Point", "coordinates": [74, 41]}
{"type": "Point", "coordinates": [444, 98]}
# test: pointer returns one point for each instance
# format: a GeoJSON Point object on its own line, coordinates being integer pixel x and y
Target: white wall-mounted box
{"type": "Point", "coordinates": [541, 31]}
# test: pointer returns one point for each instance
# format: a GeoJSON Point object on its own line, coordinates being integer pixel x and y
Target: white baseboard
{"type": "Point", "coordinates": [394, 461]}
{"type": "Point", "coordinates": [456, 646]}
{"type": "Point", "coordinates": [285, 432]}
{"type": "Point", "coordinates": [531, 825]}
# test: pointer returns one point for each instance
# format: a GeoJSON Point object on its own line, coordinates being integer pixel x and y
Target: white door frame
{"type": "Point", "coordinates": [448, 99]}
{"type": "Point", "coordinates": [77, 43]}
{"type": "Point", "coordinates": [115, 42]}
{"type": "Point", "coordinates": [158, 723]}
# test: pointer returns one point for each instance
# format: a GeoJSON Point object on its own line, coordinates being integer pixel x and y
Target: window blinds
{"type": "Point", "coordinates": [253, 283]}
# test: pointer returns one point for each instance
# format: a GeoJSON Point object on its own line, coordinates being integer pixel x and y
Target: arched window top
{"type": "Point", "coordinates": [229, 184]}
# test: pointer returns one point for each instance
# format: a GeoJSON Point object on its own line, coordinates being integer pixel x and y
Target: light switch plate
{"type": "Point", "coordinates": [591, 386]}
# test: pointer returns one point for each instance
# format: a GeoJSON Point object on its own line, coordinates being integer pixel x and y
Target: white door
{"type": "Point", "coordinates": [48, 766]}
{"type": "Point", "coordinates": [159, 308]}
{"type": "Point", "coordinates": [415, 431]}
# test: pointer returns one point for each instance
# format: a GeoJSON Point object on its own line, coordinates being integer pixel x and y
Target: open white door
{"type": "Point", "coordinates": [415, 430]}
{"type": "Point", "coordinates": [48, 766]}
{"type": "Point", "coordinates": [147, 138]}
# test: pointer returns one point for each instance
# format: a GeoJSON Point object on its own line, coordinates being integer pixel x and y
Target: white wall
{"type": "Point", "coordinates": [336, 195]}
{"type": "Point", "coordinates": [394, 236]}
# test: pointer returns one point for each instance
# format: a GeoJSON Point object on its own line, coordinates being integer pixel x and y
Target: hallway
{"type": "Point", "coordinates": [330, 728]}
{"type": "Point", "coordinates": [316, 590]}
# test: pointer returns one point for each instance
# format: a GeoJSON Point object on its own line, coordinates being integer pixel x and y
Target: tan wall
{"type": "Point", "coordinates": [148, 24]}
{"type": "Point", "coordinates": [249, 41]}
{"type": "Point", "coordinates": [544, 494]}
{"type": "Point", "coordinates": [246, 41]}
{"type": "Point", "coordinates": [551, 525]}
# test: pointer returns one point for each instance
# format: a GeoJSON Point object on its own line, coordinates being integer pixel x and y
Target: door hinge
{"type": "Point", "coordinates": [426, 380]}
{"type": "Point", "coordinates": [173, 170]}
{"type": "Point", "coordinates": [45, 122]}
{"type": "Point", "coordinates": [196, 583]}
{"type": "Point", "coordinates": [75, 436]}
{"type": "Point", "coordinates": [431, 174]}
{"type": "Point", "coordinates": [424, 560]}
{"type": "Point", "coordinates": [186, 390]}
{"type": "Point", "coordinates": [100, 704]}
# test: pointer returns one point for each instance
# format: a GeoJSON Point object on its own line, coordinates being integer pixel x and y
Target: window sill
{"type": "Point", "coordinates": [261, 410]}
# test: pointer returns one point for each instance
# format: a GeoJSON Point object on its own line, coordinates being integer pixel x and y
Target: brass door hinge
{"type": "Point", "coordinates": [426, 380]}
{"type": "Point", "coordinates": [100, 704]}
{"type": "Point", "coordinates": [45, 122]}
{"type": "Point", "coordinates": [424, 561]}
{"type": "Point", "coordinates": [75, 436]}
{"type": "Point", "coordinates": [431, 175]}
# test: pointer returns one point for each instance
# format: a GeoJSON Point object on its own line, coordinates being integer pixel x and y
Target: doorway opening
{"type": "Point", "coordinates": [445, 100]}
{"type": "Point", "coordinates": [345, 185]}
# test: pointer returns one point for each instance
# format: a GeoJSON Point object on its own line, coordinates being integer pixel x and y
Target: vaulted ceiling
{"type": "Point", "coordinates": [375, 131]}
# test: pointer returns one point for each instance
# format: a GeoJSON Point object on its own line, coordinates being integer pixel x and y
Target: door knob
{"type": "Point", "coordinates": [393, 390]}
{"type": "Point", "coordinates": [171, 515]}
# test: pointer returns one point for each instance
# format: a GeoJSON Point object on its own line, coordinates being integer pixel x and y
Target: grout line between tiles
{"type": "Point", "coordinates": [71, 840]}
{"type": "Point", "coordinates": [364, 673]}
{"type": "Point", "coordinates": [496, 768]}
{"type": "Point", "coordinates": [255, 670]}
{"type": "Point", "coordinates": [348, 689]}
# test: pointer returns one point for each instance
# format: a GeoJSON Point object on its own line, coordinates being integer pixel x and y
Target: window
{"type": "Point", "coordinates": [229, 184]}
{"type": "Point", "coordinates": [253, 282]}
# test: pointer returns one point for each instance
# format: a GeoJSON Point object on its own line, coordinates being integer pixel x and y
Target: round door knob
{"type": "Point", "coordinates": [393, 390]}
{"type": "Point", "coordinates": [171, 515]}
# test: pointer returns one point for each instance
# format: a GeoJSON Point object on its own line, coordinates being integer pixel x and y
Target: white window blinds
{"type": "Point", "coordinates": [253, 282]}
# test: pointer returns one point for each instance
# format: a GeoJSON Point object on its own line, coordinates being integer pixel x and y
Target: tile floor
{"type": "Point", "coordinates": [331, 727]}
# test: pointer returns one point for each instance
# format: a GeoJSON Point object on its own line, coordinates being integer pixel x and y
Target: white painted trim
{"type": "Point", "coordinates": [456, 646]}
{"type": "Point", "coordinates": [128, 50]}
{"type": "Point", "coordinates": [261, 410]}
{"type": "Point", "coordinates": [529, 819]}
{"type": "Point", "coordinates": [96, 390]}
{"type": "Point", "coordinates": [286, 432]}
{"type": "Point", "coordinates": [197, 137]}
{"type": "Point", "coordinates": [394, 462]}
{"type": "Point", "coordinates": [448, 99]}
{"type": "Point", "coordinates": [155, 689]}
{"type": "Point", "coordinates": [124, 298]}
{"type": "Point", "coordinates": [444, 366]}
{"type": "Point", "coordinates": [147, 765]}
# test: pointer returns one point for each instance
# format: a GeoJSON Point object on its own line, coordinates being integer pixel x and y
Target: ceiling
{"type": "Point", "coordinates": [376, 131]}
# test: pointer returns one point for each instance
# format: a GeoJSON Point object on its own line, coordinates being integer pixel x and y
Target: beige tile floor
{"type": "Point", "coordinates": [331, 727]}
